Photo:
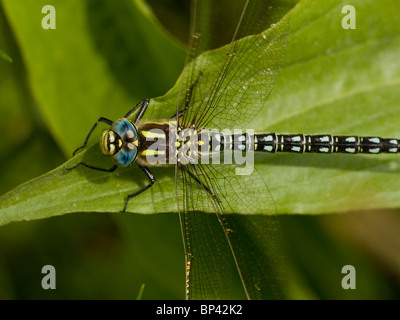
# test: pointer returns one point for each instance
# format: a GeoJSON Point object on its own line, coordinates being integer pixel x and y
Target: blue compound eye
{"type": "Point", "coordinates": [125, 129]}
{"type": "Point", "coordinates": [126, 155]}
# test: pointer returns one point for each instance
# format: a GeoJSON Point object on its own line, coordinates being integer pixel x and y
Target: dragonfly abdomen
{"type": "Point", "coordinates": [301, 143]}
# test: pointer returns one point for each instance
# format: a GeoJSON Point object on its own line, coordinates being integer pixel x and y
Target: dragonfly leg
{"type": "Point", "coordinates": [179, 114]}
{"type": "Point", "coordinates": [152, 180]}
{"type": "Point", "coordinates": [188, 98]}
{"type": "Point", "coordinates": [94, 168]}
{"type": "Point", "coordinates": [190, 92]}
{"type": "Point", "coordinates": [143, 106]}
{"type": "Point", "coordinates": [202, 184]}
{"type": "Point", "coordinates": [101, 119]}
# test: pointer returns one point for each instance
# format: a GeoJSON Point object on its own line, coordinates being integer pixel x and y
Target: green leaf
{"type": "Point", "coordinates": [339, 82]}
{"type": "Point", "coordinates": [346, 86]}
{"type": "Point", "coordinates": [334, 81]}
{"type": "Point", "coordinates": [140, 293]}
{"type": "Point", "coordinates": [93, 71]}
{"type": "Point", "coordinates": [4, 56]}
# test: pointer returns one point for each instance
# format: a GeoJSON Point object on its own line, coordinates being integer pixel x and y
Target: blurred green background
{"type": "Point", "coordinates": [122, 54]}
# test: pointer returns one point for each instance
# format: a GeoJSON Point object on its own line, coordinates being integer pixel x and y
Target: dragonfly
{"type": "Point", "coordinates": [184, 140]}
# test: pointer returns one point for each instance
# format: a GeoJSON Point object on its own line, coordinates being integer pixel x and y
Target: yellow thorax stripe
{"type": "Point", "coordinates": [150, 152]}
{"type": "Point", "coordinates": [151, 134]}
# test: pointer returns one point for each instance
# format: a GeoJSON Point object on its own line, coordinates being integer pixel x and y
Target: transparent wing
{"type": "Point", "coordinates": [217, 23]}
{"type": "Point", "coordinates": [218, 242]}
{"type": "Point", "coordinates": [235, 82]}
{"type": "Point", "coordinates": [231, 86]}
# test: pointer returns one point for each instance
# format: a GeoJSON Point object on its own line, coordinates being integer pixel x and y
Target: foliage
{"type": "Point", "coordinates": [333, 80]}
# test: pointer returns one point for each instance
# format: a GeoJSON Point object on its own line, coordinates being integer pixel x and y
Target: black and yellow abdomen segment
{"type": "Point", "coordinates": [187, 145]}
{"type": "Point", "coordinates": [301, 143]}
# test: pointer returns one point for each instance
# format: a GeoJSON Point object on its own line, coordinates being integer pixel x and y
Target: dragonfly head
{"type": "Point", "coordinates": [120, 142]}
